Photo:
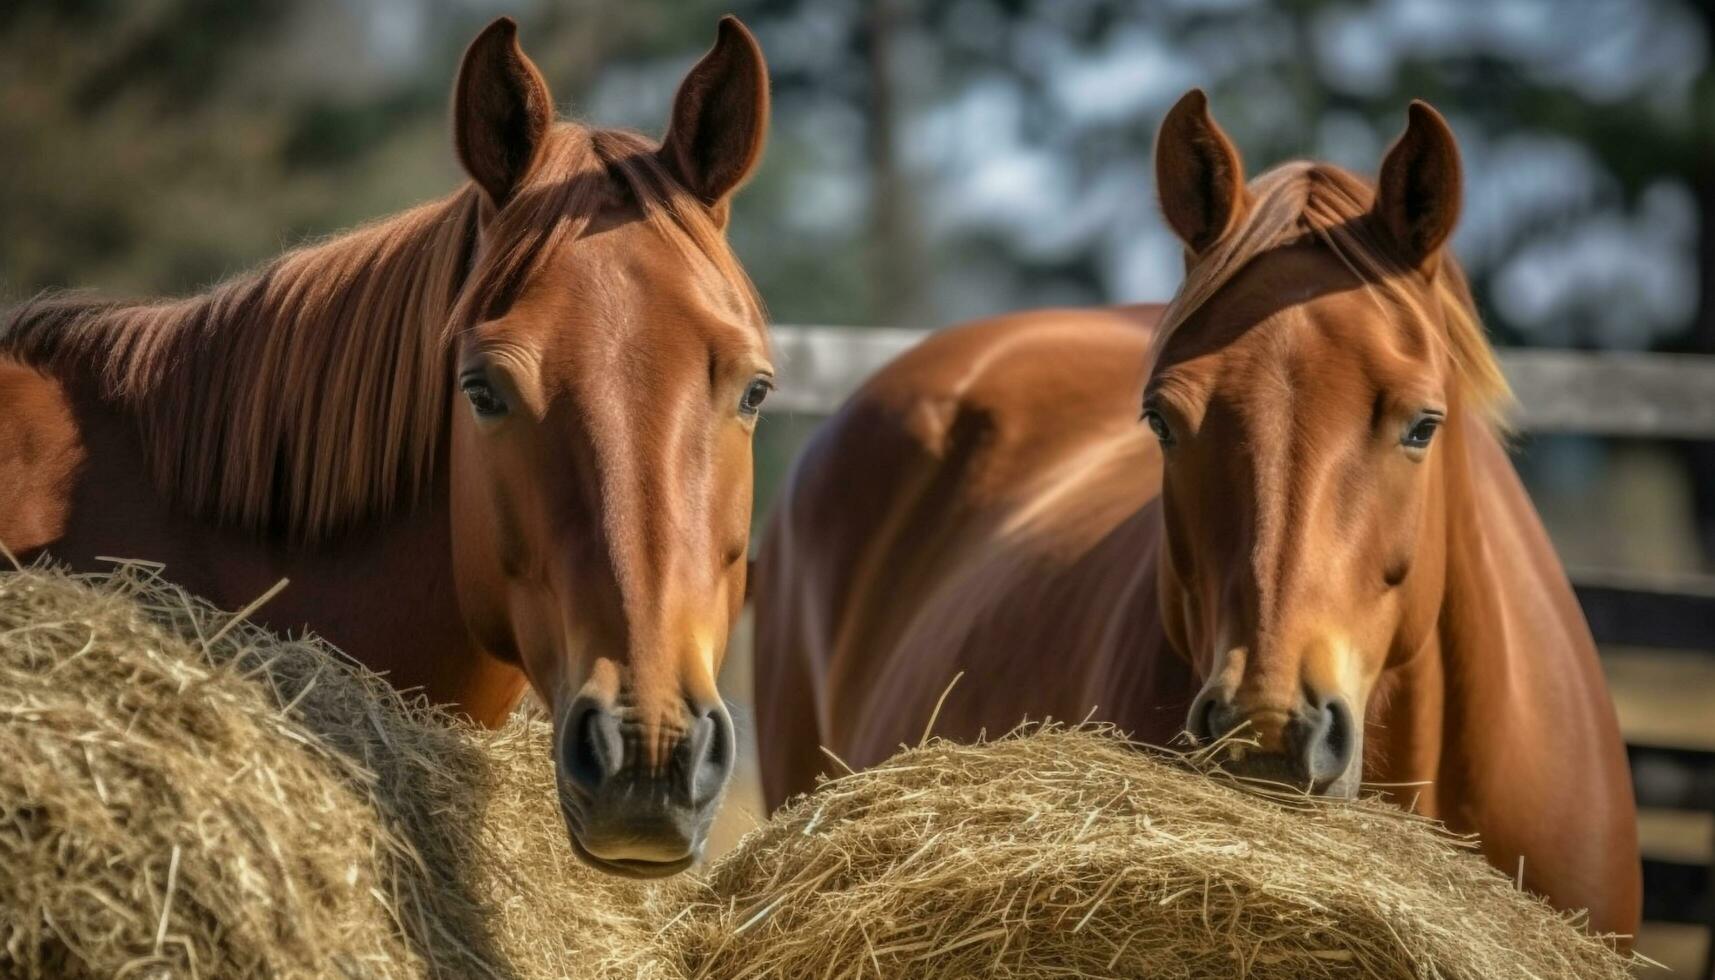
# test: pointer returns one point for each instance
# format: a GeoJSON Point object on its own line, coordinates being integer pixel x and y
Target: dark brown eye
{"type": "Point", "coordinates": [755, 394]}
{"type": "Point", "coordinates": [1158, 425]}
{"type": "Point", "coordinates": [482, 397]}
{"type": "Point", "coordinates": [1421, 430]}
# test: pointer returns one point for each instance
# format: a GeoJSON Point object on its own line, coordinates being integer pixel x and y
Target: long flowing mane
{"type": "Point", "coordinates": [1304, 200]}
{"type": "Point", "coordinates": [312, 394]}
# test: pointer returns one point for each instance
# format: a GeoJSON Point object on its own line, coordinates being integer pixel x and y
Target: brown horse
{"type": "Point", "coordinates": [504, 438]}
{"type": "Point", "coordinates": [1313, 533]}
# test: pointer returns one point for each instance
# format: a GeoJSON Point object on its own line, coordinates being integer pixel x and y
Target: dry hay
{"type": "Point", "coordinates": [161, 814]}
{"type": "Point", "coordinates": [1071, 853]}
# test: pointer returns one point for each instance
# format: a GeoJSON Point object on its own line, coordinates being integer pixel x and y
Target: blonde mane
{"type": "Point", "coordinates": [1302, 200]}
{"type": "Point", "coordinates": [312, 395]}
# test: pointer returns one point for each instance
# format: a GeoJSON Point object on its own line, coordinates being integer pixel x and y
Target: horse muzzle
{"type": "Point", "coordinates": [1314, 746]}
{"type": "Point", "coordinates": [639, 798]}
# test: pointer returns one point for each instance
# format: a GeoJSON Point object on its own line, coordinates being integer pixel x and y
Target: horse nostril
{"type": "Point", "coordinates": [1332, 739]}
{"type": "Point", "coordinates": [713, 747]}
{"type": "Point", "coordinates": [593, 748]}
{"type": "Point", "coordinates": [1203, 722]}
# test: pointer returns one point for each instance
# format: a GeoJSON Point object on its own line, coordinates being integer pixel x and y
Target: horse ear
{"type": "Point", "coordinates": [1198, 174]}
{"type": "Point", "coordinates": [1418, 193]}
{"type": "Point", "coordinates": [501, 111]}
{"type": "Point", "coordinates": [720, 118]}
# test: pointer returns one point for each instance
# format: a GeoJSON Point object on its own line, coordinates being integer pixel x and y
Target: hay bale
{"type": "Point", "coordinates": [185, 795]}
{"type": "Point", "coordinates": [1071, 853]}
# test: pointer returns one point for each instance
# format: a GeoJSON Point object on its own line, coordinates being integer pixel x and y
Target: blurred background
{"type": "Point", "coordinates": [936, 160]}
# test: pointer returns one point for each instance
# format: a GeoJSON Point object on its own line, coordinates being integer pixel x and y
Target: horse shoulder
{"type": "Point", "coordinates": [41, 453]}
{"type": "Point", "coordinates": [1545, 696]}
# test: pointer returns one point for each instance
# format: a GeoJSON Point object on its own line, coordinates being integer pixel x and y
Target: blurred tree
{"type": "Point", "coordinates": [1701, 159]}
{"type": "Point", "coordinates": [932, 159]}
{"type": "Point", "coordinates": [158, 145]}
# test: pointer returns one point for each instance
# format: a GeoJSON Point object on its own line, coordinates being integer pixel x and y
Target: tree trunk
{"type": "Point", "coordinates": [896, 266]}
{"type": "Point", "coordinates": [1700, 456]}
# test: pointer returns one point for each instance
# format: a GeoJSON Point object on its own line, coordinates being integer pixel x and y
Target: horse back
{"type": "Point", "coordinates": [986, 502]}
{"type": "Point", "coordinates": [41, 453]}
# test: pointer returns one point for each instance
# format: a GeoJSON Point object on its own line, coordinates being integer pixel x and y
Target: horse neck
{"type": "Point", "coordinates": [1472, 666]}
{"type": "Point", "coordinates": [305, 397]}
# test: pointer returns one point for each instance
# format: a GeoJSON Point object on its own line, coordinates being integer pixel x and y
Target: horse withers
{"type": "Point", "coordinates": [501, 439]}
{"type": "Point", "coordinates": [1279, 507]}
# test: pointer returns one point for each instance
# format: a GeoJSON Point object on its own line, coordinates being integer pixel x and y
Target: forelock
{"type": "Point", "coordinates": [1303, 202]}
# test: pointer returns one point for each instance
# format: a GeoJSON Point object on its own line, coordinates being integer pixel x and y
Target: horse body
{"type": "Point", "coordinates": [984, 503]}
{"type": "Point", "coordinates": [382, 594]}
{"type": "Point", "coordinates": [1274, 555]}
{"type": "Point", "coordinates": [500, 441]}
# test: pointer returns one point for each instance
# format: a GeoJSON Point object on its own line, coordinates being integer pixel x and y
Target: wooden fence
{"type": "Point", "coordinates": [1657, 396]}
{"type": "Point", "coordinates": [1620, 395]}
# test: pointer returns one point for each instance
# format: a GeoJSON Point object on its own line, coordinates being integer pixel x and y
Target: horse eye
{"type": "Point", "coordinates": [482, 398]}
{"type": "Point", "coordinates": [1421, 430]}
{"type": "Point", "coordinates": [754, 395]}
{"type": "Point", "coordinates": [1158, 425]}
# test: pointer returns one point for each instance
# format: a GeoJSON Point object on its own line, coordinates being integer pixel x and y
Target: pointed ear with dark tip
{"type": "Point", "coordinates": [1419, 190]}
{"type": "Point", "coordinates": [720, 118]}
{"type": "Point", "coordinates": [501, 111]}
{"type": "Point", "coordinates": [1198, 174]}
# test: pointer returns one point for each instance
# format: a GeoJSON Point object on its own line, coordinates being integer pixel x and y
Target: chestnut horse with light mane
{"type": "Point", "coordinates": [1313, 534]}
{"type": "Point", "coordinates": [501, 439]}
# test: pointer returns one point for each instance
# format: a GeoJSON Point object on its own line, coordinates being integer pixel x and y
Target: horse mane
{"type": "Point", "coordinates": [1303, 201]}
{"type": "Point", "coordinates": [312, 394]}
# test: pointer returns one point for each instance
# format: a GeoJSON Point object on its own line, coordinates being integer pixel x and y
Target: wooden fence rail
{"type": "Point", "coordinates": [1662, 396]}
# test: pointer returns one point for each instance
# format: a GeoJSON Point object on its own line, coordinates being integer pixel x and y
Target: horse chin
{"type": "Point", "coordinates": [631, 867]}
{"type": "Point", "coordinates": [628, 859]}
